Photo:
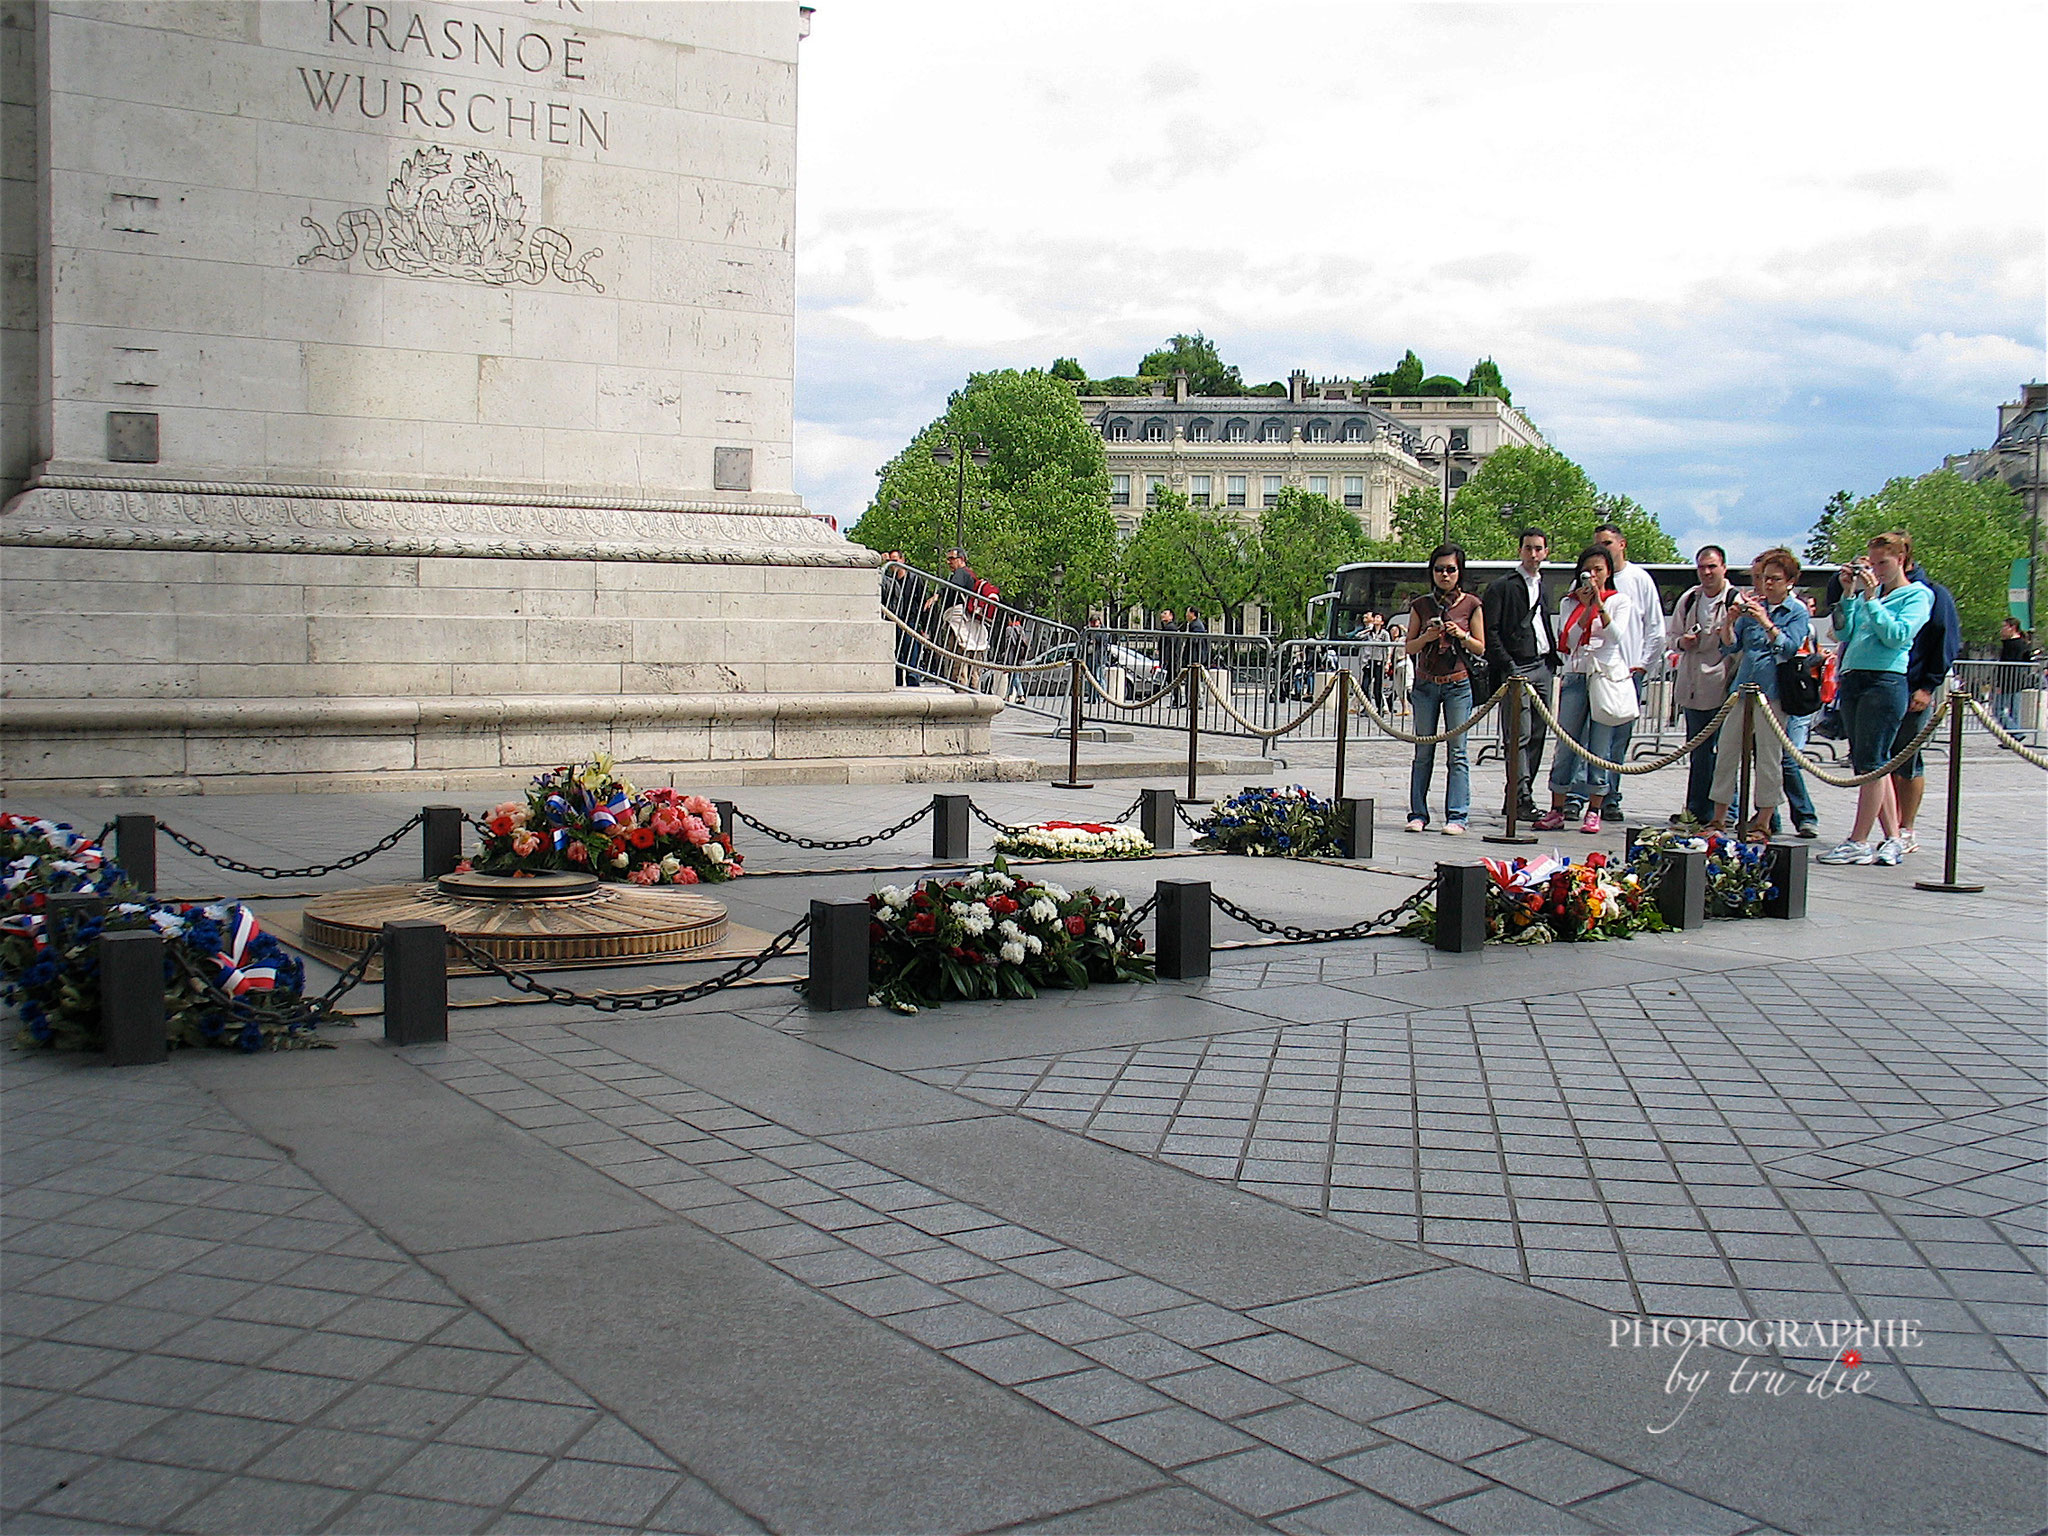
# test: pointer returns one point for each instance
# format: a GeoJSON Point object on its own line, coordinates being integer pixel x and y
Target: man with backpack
{"type": "Point", "coordinates": [1934, 652]}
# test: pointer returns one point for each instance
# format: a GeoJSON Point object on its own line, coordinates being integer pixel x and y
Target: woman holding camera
{"type": "Point", "coordinates": [1764, 626]}
{"type": "Point", "coordinates": [1591, 639]}
{"type": "Point", "coordinates": [1882, 610]}
{"type": "Point", "coordinates": [1445, 632]}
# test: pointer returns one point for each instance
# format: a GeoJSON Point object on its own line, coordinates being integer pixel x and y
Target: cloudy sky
{"type": "Point", "coordinates": [1730, 257]}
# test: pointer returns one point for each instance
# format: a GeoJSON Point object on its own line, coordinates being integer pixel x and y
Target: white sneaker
{"type": "Point", "coordinates": [1888, 852]}
{"type": "Point", "coordinates": [1908, 841]}
{"type": "Point", "coordinates": [1454, 829]}
{"type": "Point", "coordinates": [1849, 852]}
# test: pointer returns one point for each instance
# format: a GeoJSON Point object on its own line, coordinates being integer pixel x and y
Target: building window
{"type": "Point", "coordinates": [1119, 431]}
{"type": "Point", "coordinates": [1233, 490]}
{"type": "Point", "coordinates": [1273, 432]}
{"type": "Point", "coordinates": [1119, 490]}
{"type": "Point", "coordinates": [1269, 490]}
{"type": "Point", "coordinates": [1155, 431]}
{"type": "Point", "coordinates": [1319, 485]}
{"type": "Point", "coordinates": [1461, 439]}
{"type": "Point", "coordinates": [1458, 478]}
{"type": "Point", "coordinates": [1199, 431]}
{"type": "Point", "coordinates": [1354, 490]}
{"type": "Point", "coordinates": [1237, 432]}
{"type": "Point", "coordinates": [1154, 484]}
{"type": "Point", "coordinates": [1354, 431]}
{"type": "Point", "coordinates": [1198, 490]}
{"type": "Point", "coordinates": [1318, 432]}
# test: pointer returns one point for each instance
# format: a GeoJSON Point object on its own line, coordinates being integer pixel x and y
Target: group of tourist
{"type": "Point", "coordinates": [1895, 636]}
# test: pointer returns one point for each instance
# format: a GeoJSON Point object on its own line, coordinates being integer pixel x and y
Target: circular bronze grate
{"type": "Point", "coordinates": [611, 921]}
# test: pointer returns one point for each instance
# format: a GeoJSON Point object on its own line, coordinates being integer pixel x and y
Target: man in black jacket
{"type": "Point", "coordinates": [1520, 642]}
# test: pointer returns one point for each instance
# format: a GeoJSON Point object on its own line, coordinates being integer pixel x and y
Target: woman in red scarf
{"type": "Point", "coordinates": [1596, 618]}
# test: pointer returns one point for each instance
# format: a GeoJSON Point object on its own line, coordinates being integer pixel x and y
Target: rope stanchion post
{"type": "Point", "coordinates": [1948, 881]}
{"type": "Point", "coordinates": [415, 982]}
{"type": "Point", "coordinates": [1182, 943]}
{"type": "Point", "coordinates": [949, 827]}
{"type": "Point", "coordinates": [132, 1023]}
{"type": "Point", "coordinates": [1343, 732]}
{"type": "Point", "coordinates": [440, 840]}
{"type": "Point", "coordinates": [1513, 800]}
{"type": "Point", "coordinates": [1194, 743]}
{"type": "Point", "coordinates": [1461, 908]}
{"type": "Point", "coordinates": [1682, 889]}
{"type": "Point", "coordinates": [728, 820]}
{"type": "Point", "coordinates": [1785, 864]}
{"type": "Point", "coordinates": [1073, 778]}
{"type": "Point", "coordinates": [1156, 816]}
{"type": "Point", "coordinates": [1354, 826]}
{"type": "Point", "coordinates": [135, 850]}
{"type": "Point", "coordinates": [1743, 794]}
{"type": "Point", "coordinates": [839, 956]}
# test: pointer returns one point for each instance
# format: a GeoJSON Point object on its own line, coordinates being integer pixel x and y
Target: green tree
{"type": "Point", "coordinates": [1485, 379]}
{"type": "Point", "coordinates": [1302, 538]}
{"type": "Point", "coordinates": [1820, 546]}
{"type": "Point", "coordinates": [1069, 368]}
{"type": "Point", "coordinates": [1966, 534]}
{"type": "Point", "coordinates": [1440, 384]}
{"type": "Point", "coordinates": [1646, 537]}
{"type": "Point", "coordinates": [1405, 378]}
{"type": "Point", "coordinates": [1181, 555]}
{"type": "Point", "coordinates": [1040, 503]}
{"type": "Point", "coordinates": [1207, 373]}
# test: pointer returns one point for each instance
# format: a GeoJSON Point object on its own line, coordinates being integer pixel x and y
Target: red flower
{"type": "Point", "coordinates": [877, 933]}
{"type": "Point", "coordinates": [972, 957]}
{"type": "Point", "coordinates": [1137, 945]}
{"type": "Point", "coordinates": [924, 923]}
{"type": "Point", "coordinates": [641, 837]}
{"type": "Point", "coordinates": [1077, 925]}
{"type": "Point", "coordinates": [921, 901]}
{"type": "Point", "coordinates": [1001, 906]}
{"type": "Point", "coordinates": [1596, 861]}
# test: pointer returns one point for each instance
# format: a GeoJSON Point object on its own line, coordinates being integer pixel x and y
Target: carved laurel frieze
{"type": "Point", "coordinates": [60, 517]}
{"type": "Point", "coordinates": [441, 220]}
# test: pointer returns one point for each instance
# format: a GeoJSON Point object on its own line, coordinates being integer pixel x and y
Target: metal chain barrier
{"type": "Point", "coordinates": [1263, 732]}
{"type": "Point", "coordinates": [1883, 770]}
{"type": "Point", "coordinates": [1365, 707]}
{"type": "Point", "coordinates": [317, 1010]}
{"type": "Point", "coordinates": [1186, 820]}
{"type": "Point", "coordinates": [310, 872]}
{"type": "Point", "coordinates": [100, 837]}
{"type": "Point", "coordinates": [2005, 738]}
{"type": "Point", "coordinates": [1287, 933]}
{"type": "Point", "coordinates": [633, 1002]}
{"type": "Point", "coordinates": [831, 844]}
{"type": "Point", "coordinates": [1649, 765]}
{"type": "Point", "coordinates": [990, 822]}
{"type": "Point", "coordinates": [1136, 916]}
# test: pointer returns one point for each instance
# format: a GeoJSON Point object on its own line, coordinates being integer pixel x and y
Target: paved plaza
{"type": "Point", "coordinates": [1339, 1240]}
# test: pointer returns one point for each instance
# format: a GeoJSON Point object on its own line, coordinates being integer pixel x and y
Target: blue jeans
{"type": "Point", "coordinates": [1797, 796]}
{"type": "Point", "coordinates": [1699, 777]}
{"type": "Point", "coordinates": [1452, 704]}
{"type": "Point", "coordinates": [1872, 704]}
{"type": "Point", "coordinates": [1570, 774]}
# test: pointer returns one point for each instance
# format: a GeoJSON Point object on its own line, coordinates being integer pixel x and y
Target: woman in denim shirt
{"type": "Point", "coordinates": [1763, 626]}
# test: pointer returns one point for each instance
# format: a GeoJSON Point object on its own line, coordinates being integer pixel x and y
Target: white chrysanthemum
{"type": "Point", "coordinates": [1012, 952]}
{"type": "Point", "coordinates": [1009, 930]}
{"type": "Point", "coordinates": [1057, 893]}
{"type": "Point", "coordinates": [979, 909]}
{"type": "Point", "coordinates": [1034, 943]}
{"type": "Point", "coordinates": [894, 897]}
{"type": "Point", "coordinates": [1002, 882]}
{"type": "Point", "coordinates": [977, 925]}
{"type": "Point", "coordinates": [957, 908]}
{"type": "Point", "coordinates": [1105, 933]}
{"type": "Point", "coordinates": [1044, 911]}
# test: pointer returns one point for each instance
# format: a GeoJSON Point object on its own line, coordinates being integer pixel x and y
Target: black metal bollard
{"type": "Point", "coordinates": [1156, 816]}
{"type": "Point", "coordinates": [839, 956]}
{"type": "Point", "coordinates": [1183, 929]}
{"type": "Point", "coordinates": [415, 982]}
{"type": "Point", "coordinates": [440, 840]}
{"type": "Point", "coordinates": [1785, 863]}
{"type": "Point", "coordinates": [1354, 825]}
{"type": "Point", "coordinates": [1682, 889]}
{"type": "Point", "coordinates": [1461, 907]}
{"type": "Point", "coordinates": [949, 828]}
{"type": "Point", "coordinates": [135, 850]}
{"type": "Point", "coordinates": [132, 997]}
{"type": "Point", "coordinates": [728, 821]}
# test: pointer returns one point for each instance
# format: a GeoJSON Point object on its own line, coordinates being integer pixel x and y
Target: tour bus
{"type": "Point", "coordinates": [1386, 587]}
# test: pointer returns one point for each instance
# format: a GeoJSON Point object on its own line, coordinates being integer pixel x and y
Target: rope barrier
{"type": "Point", "coordinates": [633, 1002]}
{"type": "Point", "coordinates": [1267, 733]}
{"type": "Point", "coordinates": [1651, 765]}
{"type": "Point", "coordinates": [270, 872]}
{"type": "Point", "coordinates": [2006, 738]}
{"type": "Point", "coordinates": [1365, 707]}
{"type": "Point", "coordinates": [1171, 685]}
{"type": "Point", "coordinates": [930, 643]}
{"type": "Point", "coordinates": [1884, 770]}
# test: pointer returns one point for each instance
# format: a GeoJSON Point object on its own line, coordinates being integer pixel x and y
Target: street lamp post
{"type": "Point", "coordinates": [1443, 450]}
{"type": "Point", "coordinates": [956, 447]}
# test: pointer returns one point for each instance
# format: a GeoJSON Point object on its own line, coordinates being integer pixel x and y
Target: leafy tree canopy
{"type": "Point", "coordinates": [1404, 378]}
{"type": "Point", "coordinates": [1966, 534]}
{"type": "Point", "coordinates": [1302, 538]}
{"type": "Point", "coordinates": [1200, 556]}
{"type": "Point", "coordinates": [1045, 486]}
{"type": "Point", "coordinates": [1485, 379]}
{"type": "Point", "coordinates": [1518, 487]}
{"type": "Point", "coordinates": [1820, 546]}
{"type": "Point", "coordinates": [1207, 373]}
{"type": "Point", "coordinates": [1069, 368]}
{"type": "Point", "coordinates": [1440, 384]}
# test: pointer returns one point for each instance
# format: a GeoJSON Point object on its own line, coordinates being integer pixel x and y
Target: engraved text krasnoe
{"type": "Point", "coordinates": [440, 221]}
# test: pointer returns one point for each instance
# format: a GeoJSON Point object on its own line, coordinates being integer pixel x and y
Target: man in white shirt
{"type": "Point", "coordinates": [1642, 640]}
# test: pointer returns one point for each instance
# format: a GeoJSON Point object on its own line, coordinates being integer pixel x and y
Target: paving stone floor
{"type": "Point", "coordinates": [1165, 1261]}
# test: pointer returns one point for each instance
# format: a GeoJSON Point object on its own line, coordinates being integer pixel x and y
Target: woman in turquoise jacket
{"type": "Point", "coordinates": [1882, 610]}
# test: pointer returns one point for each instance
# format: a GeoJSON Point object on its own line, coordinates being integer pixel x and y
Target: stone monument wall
{"type": "Point", "coordinates": [385, 380]}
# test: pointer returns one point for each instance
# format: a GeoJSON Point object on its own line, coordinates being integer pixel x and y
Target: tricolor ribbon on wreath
{"type": "Point", "coordinates": [234, 979]}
